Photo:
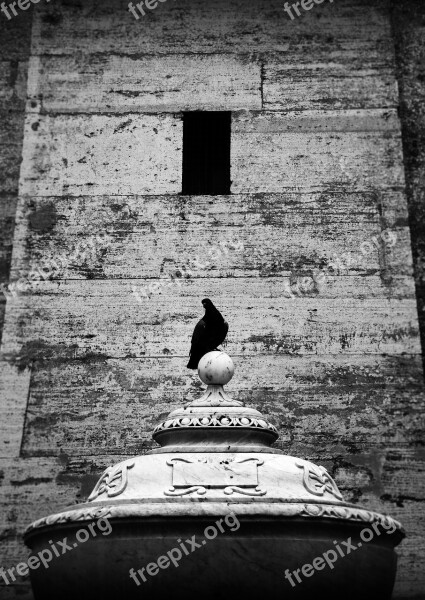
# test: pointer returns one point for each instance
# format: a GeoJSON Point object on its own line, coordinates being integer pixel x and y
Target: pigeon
{"type": "Point", "coordinates": [209, 333]}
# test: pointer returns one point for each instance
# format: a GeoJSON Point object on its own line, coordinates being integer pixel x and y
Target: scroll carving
{"type": "Point", "coordinates": [113, 482]}
{"type": "Point", "coordinates": [317, 481]}
{"type": "Point", "coordinates": [197, 476]}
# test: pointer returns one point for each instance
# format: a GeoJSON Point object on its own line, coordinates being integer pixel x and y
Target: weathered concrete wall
{"type": "Point", "coordinates": [15, 49]}
{"type": "Point", "coordinates": [317, 169]}
{"type": "Point", "coordinates": [15, 38]}
{"type": "Point", "coordinates": [408, 18]}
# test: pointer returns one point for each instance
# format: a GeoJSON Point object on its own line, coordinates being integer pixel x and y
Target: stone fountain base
{"type": "Point", "coordinates": [249, 562]}
{"type": "Point", "coordinates": [216, 513]}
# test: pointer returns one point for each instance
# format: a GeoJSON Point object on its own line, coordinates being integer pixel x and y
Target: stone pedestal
{"type": "Point", "coordinates": [240, 518]}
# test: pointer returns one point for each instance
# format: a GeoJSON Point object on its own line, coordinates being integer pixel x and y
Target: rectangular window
{"type": "Point", "coordinates": [206, 153]}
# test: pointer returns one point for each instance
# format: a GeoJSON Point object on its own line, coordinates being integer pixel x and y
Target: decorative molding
{"type": "Point", "coordinates": [70, 516]}
{"type": "Point", "coordinates": [286, 510]}
{"type": "Point", "coordinates": [233, 488]}
{"type": "Point", "coordinates": [199, 475]}
{"type": "Point", "coordinates": [215, 396]}
{"type": "Point", "coordinates": [317, 480]}
{"type": "Point", "coordinates": [113, 481]}
{"type": "Point", "coordinates": [349, 513]}
{"type": "Point", "coordinates": [212, 421]}
{"type": "Point", "coordinates": [199, 489]}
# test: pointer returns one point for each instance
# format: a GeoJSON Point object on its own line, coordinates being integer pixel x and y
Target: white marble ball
{"type": "Point", "coordinates": [216, 368]}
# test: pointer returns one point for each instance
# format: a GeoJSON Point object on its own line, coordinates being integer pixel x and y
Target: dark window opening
{"type": "Point", "coordinates": [206, 153]}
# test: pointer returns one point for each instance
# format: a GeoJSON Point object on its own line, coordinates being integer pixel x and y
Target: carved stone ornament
{"type": "Point", "coordinates": [71, 516]}
{"type": "Point", "coordinates": [225, 420]}
{"type": "Point", "coordinates": [112, 482]}
{"type": "Point", "coordinates": [215, 396]}
{"type": "Point", "coordinates": [317, 480]}
{"type": "Point", "coordinates": [196, 476]}
{"type": "Point", "coordinates": [310, 510]}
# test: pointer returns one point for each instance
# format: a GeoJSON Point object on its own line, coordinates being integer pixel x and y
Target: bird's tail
{"type": "Point", "coordinates": [193, 363]}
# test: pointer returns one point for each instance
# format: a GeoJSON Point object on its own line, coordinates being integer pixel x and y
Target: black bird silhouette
{"type": "Point", "coordinates": [209, 333]}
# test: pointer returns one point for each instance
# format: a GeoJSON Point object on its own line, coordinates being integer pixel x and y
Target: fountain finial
{"type": "Point", "coordinates": [216, 369]}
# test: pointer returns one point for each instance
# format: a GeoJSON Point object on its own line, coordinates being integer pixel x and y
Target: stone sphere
{"type": "Point", "coordinates": [216, 368]}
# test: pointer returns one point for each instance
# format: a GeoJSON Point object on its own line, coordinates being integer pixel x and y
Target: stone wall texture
{"type": "Point", "coordinates": [328, 154]}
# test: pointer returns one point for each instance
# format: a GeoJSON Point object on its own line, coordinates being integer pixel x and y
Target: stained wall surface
{"type": "Point", "coordinates": [15, 40]}
{"type": "Point", "coordinates": [317, 176]}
